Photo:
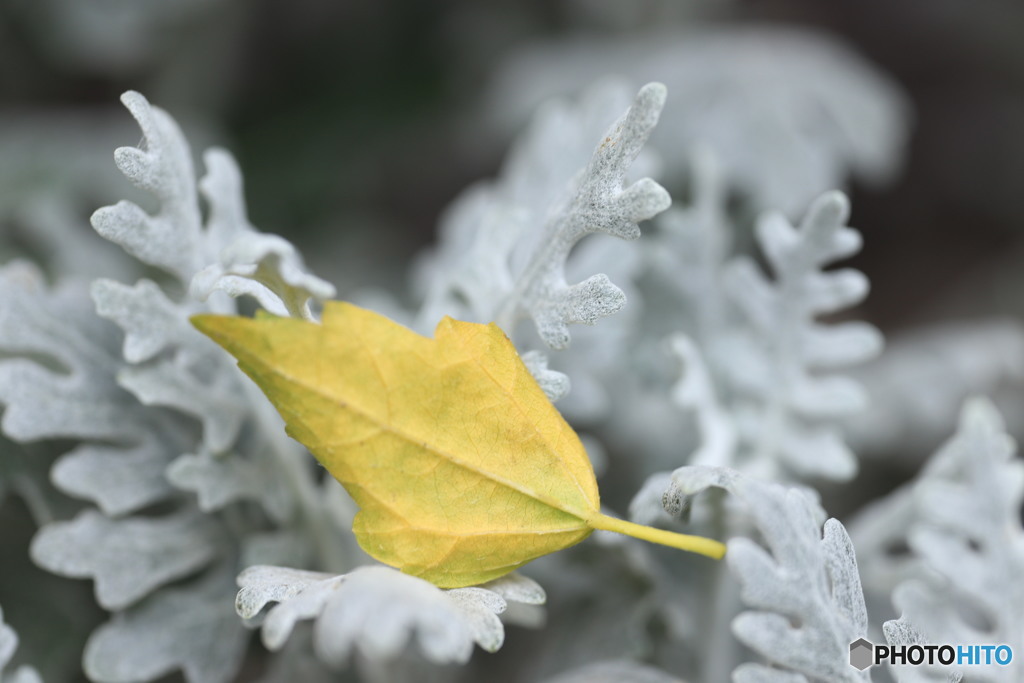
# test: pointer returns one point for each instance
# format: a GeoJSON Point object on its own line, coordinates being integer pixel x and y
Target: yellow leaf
{"type": "Point", "coordinates": [462, 468]}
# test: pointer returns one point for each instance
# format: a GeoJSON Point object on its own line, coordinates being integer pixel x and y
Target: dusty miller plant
{"type": "Point", "coordinates": [695, 362]}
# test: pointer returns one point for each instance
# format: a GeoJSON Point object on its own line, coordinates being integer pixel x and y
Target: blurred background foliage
{"type": "Point", "coordinates": [355, 124]}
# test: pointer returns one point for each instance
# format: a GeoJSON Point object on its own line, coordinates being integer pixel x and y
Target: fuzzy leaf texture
{"type": "Point", "coordinates": [961, 522]}
{"type": "Point", "coordinates": [804, 588]}
{"type": "Point", "coordinates": [463, 469]}
{"type": "Point", "coordinates": [376, 610]}
{"type": "Point", "coordinates": [505, 246]}
{"type": "Point", "coordinates": [800, 398]}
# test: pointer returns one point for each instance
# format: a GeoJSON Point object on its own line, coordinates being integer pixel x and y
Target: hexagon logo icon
{"type": "Point", "coordinates": [862, 654]}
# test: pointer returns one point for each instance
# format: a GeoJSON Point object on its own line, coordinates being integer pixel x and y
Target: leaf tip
{"type": "Point", "coordinates": [208, 323]}
{"type": "Point", "coordinates": [222, 329]}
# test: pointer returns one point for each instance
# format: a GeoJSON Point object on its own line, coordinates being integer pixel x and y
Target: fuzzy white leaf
{"type": "Point", "coordinates": [74, 395]}
{"type": "Point", "coordinates": [118, 480]}
{"type": "Point", "coordinates": [964, 530]}
{"type": "Point", "coordinates": [62, 376]}
{"type": "Point", "coordinates": [190, 628]}
{"type": "Point", "coordinates": [67, 390]}
{"type": "Point", "coordinates": [168, 239]}
{"type": "Point", "coordinates": [376, 610]}
{"type": "Point", "coordinates": [151, 321]}
{"type": "Point", "coordinates": [795, 585]}
{"type": "Point", "coordinates": [798, 400]}
{"type": "Point", "coordinates": [127, 558]}
{"type": "Point", "coordinates": [840, 344]}
{"type": "Point", "coordinates": [600, 203]}
{"type": "Point", "coordinates": [479, 609]}
{"type": "Point", "coordinates": [491, 232]}
{"type": "Point", "coordinates": [805, 591]}
{"type": "Point", "coordinates": [789, 112]}
{"type": "Point", "coordinates": [226, 253]}
{"type": "Point", "coordinates": [555, 384]}
{"type": "Point", "coordinates": [516, 587]}
{"type": "Point", "coordinates": [646, 506]}
{"type": "Point", "coordinates": [695, 391]}
{"type": "Point", "coordinates": [168, 382]}
{"type": "Point", "coordinates": [268, 268]}
{"type": "Point", "coordinates": [222, 189]}
{"type": "Point", "coordinates": [262, 585]}
{"type": "Point", "coordinates": [505, 245]}
{"type": "Point", "coordinates": [218, 481]}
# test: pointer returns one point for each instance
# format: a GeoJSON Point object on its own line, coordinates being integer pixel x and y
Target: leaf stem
{"type": "Point", "coordinates": [694, 544]}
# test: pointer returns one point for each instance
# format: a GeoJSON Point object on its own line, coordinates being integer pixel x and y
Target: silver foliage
{"type": "Point", "coordinates": [961, 519]}
{"type": "Point", "coordinates": [227, 251]}
{"type": "Point", "coordinates": [172, 372]}
{"type": "Point", "coordinates": [375, 610]}
{"type": "Point", "coordinates": [759, 376]}
{"type": "Point", "coordinates": [695, 391]}
{"type": "Point", "coordinates": [174, 367]}
{"type": "Point", "coordinates": [794, 399]}
{"type": "Point", "coordinates": [170, 239]}
{"type": "Point", "coordinates": [187, 479]}
{"type": "Point", "coordinates": [218, 481]}
{"type": "Point", "coordinates": [75, 395]}
{"type": "Point", "coordinates": [790, 113]}
{"type": "Point", "coordinates": [266, 267]}
{"type": "Point", "coordinates": [804, 589]}
{"type": "Point", "coordinates": [150, 320]}
{"type": "Point", "coordinates": [134, 407]}
{"type": "Point", "coordinates": [188, 627]}
{"type": "Point", "coordinates": [600, 203]}
{"type": "Point", "coordinates": [505, 245]}
{"type": "Point", "coordinates": [902, 632]}
{"type": "Point", "coordinates": [127, 558]}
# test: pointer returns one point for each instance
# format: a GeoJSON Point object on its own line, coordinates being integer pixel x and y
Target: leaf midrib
{"type": "Point", "coordinates": [429, 447]}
